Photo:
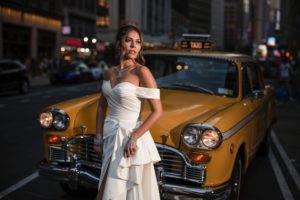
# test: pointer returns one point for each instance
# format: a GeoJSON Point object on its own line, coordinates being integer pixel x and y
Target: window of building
{"type": "Point", "coordinates": [103, 3]}
{"type": "Point", "coordinates": [102, 14]}
{"type": "Point", "coordinates": [103, 21]}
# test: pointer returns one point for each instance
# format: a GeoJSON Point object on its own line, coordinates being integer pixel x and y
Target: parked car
{"type": "Point", "coordinates": [13, 76]}
{"type": "Point", "coordinates": [97, 69]}
{"type": "Point", "coordinates": [70, 72]}
{"type": "Point", "coordinates": [217, 115]}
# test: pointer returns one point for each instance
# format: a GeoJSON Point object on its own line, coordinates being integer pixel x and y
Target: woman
{"type": "Point", "coordinates": [129, 151]}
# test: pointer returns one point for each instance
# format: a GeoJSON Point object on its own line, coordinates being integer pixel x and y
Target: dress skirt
{"type": "Point", "coordinates": [130, 178]}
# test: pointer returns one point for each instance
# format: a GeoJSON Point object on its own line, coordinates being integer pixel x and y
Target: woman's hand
{"type": "Point", "coordinates": [98, 145]}
{"type": "Point", "coordinates": [130, 147]}
{"type": "Point", "coordinates": [98, 148]}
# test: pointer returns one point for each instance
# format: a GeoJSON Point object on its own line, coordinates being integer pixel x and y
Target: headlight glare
{"type": "Point", "coordinates": [54, 119]}
{"type": "Point", "coordinates": [201, 136]}
{"type": "Point", "coordinates": [210, 138]}
{"type": "Point", "coordinates": [191, 136]}
{"type": "Point", "coordinates": [46, 119]}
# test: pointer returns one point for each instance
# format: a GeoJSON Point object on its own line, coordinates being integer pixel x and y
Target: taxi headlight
{"type": "Point", "coordinates": [191, 136]}
{"type": "Point", "coordinates": [45, 119]}
{"type": "Point", "coordinates": [54, 118]}
{"type": "Point", "coordinates": [202, 136]}
{"type": "Point", "coordinates": [60, 122]}
{"type": "Point", "coordinates": [211, 138]}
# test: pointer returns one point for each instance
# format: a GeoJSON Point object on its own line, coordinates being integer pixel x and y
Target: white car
{"type": "Point", "coordinates": [97, 69]}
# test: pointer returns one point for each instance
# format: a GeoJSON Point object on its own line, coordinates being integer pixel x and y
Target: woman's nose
{"type": "Point", "coordinates": [132, 44]}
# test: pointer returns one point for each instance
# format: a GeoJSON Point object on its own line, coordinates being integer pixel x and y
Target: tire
{"type": "Point", "coordinates": [236, 179]}
{"type": "Point", "coordinates": [24, 87]}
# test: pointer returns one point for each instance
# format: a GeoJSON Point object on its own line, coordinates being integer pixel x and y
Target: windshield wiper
{"type": "Point", "coordinates": [191, 85]}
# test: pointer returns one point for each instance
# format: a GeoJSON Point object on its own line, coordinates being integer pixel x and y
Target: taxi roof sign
{"type": "Point", "coordinates": [202, 37]}
{"type": "Point", "coordinates": [195, 41]}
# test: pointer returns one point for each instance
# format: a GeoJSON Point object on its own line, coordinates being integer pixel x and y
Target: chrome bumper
{"type": "Point", "coordinates": [75, 177]}
{"type": "Point", "coordinates": [178, 192]}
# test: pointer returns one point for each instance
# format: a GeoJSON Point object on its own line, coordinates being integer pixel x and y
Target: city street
{"type": "Point", "coordinates": [273, 177]}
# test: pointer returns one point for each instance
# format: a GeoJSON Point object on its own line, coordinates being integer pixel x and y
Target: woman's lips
{"type": "Point", "coordinates": [132, 52]}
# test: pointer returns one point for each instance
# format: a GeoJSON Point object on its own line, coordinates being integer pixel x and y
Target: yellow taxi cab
{"type": "Point", "coordinates": [218, 113]}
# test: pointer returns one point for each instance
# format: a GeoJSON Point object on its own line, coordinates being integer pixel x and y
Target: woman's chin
{"type": "Point", "coordinates": [131, 57]}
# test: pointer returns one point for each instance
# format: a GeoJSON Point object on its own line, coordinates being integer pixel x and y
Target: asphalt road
{"type": "Point", "coordinates": [275, 176]}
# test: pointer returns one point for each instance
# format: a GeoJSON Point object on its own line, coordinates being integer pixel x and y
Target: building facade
{"type": "Point", "coordinates": [37, 29]}
{"type": "Point", "coordinates": [153, 17]}
{"type": "Point", "coordinates": [29, 29]}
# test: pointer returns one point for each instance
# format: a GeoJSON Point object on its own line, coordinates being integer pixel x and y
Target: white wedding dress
{"type": "Point", "coordinates": [130, 178]}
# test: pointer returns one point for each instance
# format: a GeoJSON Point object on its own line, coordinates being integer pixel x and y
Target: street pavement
{"type": "Point", "coordinates": [39, 80]}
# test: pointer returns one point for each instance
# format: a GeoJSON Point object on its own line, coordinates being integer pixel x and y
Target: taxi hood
{"type": "Point", "coordinates": [183, 107]}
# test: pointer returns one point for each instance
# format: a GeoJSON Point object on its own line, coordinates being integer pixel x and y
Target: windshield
{"type": "Point", "coordinates": [207, 75]}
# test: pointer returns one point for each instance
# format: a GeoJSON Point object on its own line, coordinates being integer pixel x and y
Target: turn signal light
{"type": "Point", "coordinates": [53, 139]}
{"type": "Point", "coordinates": [199, 157]}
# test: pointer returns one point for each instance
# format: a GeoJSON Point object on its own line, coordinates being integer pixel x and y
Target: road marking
{"type": "Point", "coordinates": [18, 185]}
{"type": "Point", "coordinates": [285, 190]}
{"type": "Point", "coordinates": [293, 172]}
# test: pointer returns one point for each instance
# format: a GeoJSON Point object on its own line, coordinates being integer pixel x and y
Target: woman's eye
{"type": "Point", "coordinates": [127, 40]}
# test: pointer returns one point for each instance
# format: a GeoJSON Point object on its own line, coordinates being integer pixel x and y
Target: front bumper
{"type": "Point", "coordinates": [180, 192]}
{"type": "Point", "coordinates": [75, 176]}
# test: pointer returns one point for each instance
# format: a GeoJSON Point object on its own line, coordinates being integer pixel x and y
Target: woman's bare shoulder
{"type": "Point", "coordinates": [146, 77]}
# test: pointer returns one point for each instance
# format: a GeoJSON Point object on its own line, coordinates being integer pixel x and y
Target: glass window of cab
{"type": "Point", "coordinates": [184, 72]}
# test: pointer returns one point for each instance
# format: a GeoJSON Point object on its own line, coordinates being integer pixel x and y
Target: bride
{"type": "Point", "coordinates": [125, 144]}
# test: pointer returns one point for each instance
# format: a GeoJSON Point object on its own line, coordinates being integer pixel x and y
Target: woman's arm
{"type": "Point", "coordinates": [100, 116]}
{"type": "Point", "coordinates": [146, 80]}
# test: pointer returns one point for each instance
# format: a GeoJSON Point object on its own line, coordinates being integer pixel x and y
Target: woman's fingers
{"type": "Point", "coordinates": [130, 149]}
{"type": "Point", "coordinates": [98, 149]}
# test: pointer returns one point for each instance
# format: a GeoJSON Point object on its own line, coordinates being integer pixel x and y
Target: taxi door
{"type": "Point", "coordinates": [254, 97]}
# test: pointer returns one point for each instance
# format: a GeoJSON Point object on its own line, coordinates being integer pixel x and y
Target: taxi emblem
{"type": "Point", "coordinates": [164, 138]}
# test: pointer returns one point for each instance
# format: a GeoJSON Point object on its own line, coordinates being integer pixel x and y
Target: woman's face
{"type": "Point", "coordinates": [132, 44]}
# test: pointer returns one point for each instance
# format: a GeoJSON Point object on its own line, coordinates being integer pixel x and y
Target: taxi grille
{"type": "Point", "coordinates": [57, 154]}
{"type": "Point", "coordinates": [176, 165]}
{"type": "Point", "coordinates": [80, 148]}
{"type": "Point", "coordinates": [174, 162]}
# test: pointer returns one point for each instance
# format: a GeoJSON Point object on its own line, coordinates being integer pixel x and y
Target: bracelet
{"type": "Point", "coordinates": [132, 137]}
{"type": "Point", "coordinates": [98, 141]}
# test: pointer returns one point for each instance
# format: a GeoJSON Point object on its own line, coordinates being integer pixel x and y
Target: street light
{"type": "Point", "coordinates": [94, 40]}
{"type": "Point", "coordinates": [85, 39]}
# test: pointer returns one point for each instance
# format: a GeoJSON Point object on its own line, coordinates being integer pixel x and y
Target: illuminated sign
{"type": "Point", "coordinates": [66, 30]}
{"type": "Point", "coordinates": [186, 44]}
{"type": "Point", "coordinates": [271, 41]}
{"type": "Point", "coordinates": [73, 42]}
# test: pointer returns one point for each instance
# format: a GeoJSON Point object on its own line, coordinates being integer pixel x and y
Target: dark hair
{"type": "Point", "coordinates": [122, 32]}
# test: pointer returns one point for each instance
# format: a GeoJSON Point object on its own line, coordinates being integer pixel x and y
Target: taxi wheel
{"type": "Point", "coordinates": [236, 179]}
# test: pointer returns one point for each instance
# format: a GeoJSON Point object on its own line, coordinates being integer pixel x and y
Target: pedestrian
{"type": "Point", "coordinates": [127, 148]}
{"type": "Point", "coordinates": [285, 76]}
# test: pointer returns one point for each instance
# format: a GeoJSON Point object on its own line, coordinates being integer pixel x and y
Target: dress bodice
{"type": "Point", "coordinates": [124, 99]}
